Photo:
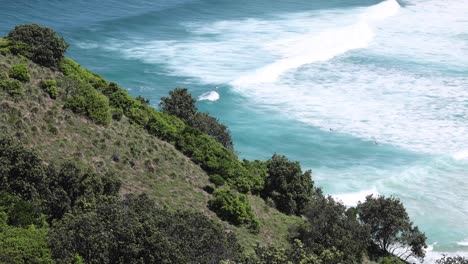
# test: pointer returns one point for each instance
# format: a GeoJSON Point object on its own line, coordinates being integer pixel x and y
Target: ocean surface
{"type": "Point", "coordinates": [371, 95]}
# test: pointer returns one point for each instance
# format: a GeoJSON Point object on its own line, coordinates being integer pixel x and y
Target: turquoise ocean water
{"type": "Point", "coordinates": [319, 81]}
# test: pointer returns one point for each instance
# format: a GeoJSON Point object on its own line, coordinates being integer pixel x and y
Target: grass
{"type": "Point", "coordinates": [144, 163]}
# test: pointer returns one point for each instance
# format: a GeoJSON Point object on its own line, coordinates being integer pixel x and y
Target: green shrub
{"type": "Point", "coordinates": [73, 69]}
{"type": "Point", "coordinates": [20, 73]}
{"type": "Point", "coordinates": [217, 180]}
{"type": "Point", "coordinates": [44, 46]}
{"type": "Point", "coordinates": [287, 185]}
{"type": "Point", "coordinates": [84, 99]}
{"type": "Point", "coordinates": [234, 208]}
{"type": "Point", "coordinates": [4, 76]}
{"type": "Point", "coordinates": [12, 86]}
{"type": "Point", "coordinates": [390, 260]}
{"type": "Point", "coordinates": [50, 87]}
{"type": "Point", "coordinates": [23, 245]}
{"type": "Point", "coordinates": [16, 48]}
{"type": "Point", "coordinates": [117, 114]}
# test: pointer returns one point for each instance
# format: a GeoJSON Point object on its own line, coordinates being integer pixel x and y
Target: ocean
{"type": "Point", "coordinates": [371, 95]}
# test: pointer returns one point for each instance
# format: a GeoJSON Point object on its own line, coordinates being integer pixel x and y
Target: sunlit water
{"type": "Point", "coordinates": [371, 95]}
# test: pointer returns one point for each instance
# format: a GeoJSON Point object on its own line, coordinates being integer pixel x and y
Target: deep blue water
{"type": "Point", "coordinates": [319, 81]}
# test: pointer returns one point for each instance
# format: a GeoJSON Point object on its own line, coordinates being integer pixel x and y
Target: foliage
{"type": "Point", "coordinates": [56, 190]}
{"type": "Point", "coordinates": [234, 208]}
{"type": "Point", "coordinates": [287, 186]}
{"type": "Point", "coordinates": [211, 126]}
{"type": "Point", "coordinates": [452, 260]}
{"type": "Point", "coordinates": [254, 178]}
{"type": "Point", "coordinates": [44, 46]}
{"type": "Point", "coordinates": [142, 100]}
{"type": "Point", "coordinates": [136, 231]}
{"type": "Point", "coordinates": [297, 254]}
{"type": "Point", "coordinates": [217, 180]}
{"type": "Point", "coordinates": [330, 225]}
{"type": "Point", "coordinates": [84, 99]}
{"type": "Point", "coordinates": [23, 245]}
{"type": "Point", "coordinates": [390, 227]}
{"type": "Point", "coordinates": [20, 212]}
{"type": "Point", "coordinates": [50, 87]}
{"type": "Point", "coordinates": [390, 260]}
{"type": "Point", "coordinates": [21, 171]}
{"type": "Point", "coordinates": [74, 185]}
{"type": "Point", "coordinates": [12, 47]}
{"type": "Point", "coordinates": [12, 86]}
{"type": "Point", "coordinates": [72, 69]}
{"type": "Point", "coordinates": [180, 103]}
{"type": "Point", "coordinates": [20, 73]}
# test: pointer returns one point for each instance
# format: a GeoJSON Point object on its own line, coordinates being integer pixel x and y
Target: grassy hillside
{"type": "Point", "coordinates": [144, 163]}
{"type": "Point", "coordinates": [93, 175]}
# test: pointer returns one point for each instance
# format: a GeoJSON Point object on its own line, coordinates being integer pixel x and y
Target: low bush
{"type": "Point", "coordinates": [84, 99]}
{"type": "Point", "coordinates": [73, 69]}
{"type": "Point", "coordinates": [234, 208]}
{"type": "Point", "coordinates": [12, 86]}
{"type": "Point", "coordinates": [50, 87]}
{"type": "Point", "coordinates": [217, 180]}
{"type": "Point", "coordinates": [20, 72]}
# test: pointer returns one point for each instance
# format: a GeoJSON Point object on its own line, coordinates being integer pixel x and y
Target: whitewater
{"type": "Point", "coordinates": [371, 95]}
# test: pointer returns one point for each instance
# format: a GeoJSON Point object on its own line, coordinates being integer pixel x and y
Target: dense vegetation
{"type": "Point", "coordinates": [38, 43]}
{"type": "Point", "coordinates": [101, 186]}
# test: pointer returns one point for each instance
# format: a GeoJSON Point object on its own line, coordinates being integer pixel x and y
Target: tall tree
{"type": "Point", "coordinates": [391, 228]}
{"type": "Point", "coordinates": [287, 186]}
{"type": "Point", "coordinates": [179, 103]}
{"type": "Point", "coordinates": [330, 225]}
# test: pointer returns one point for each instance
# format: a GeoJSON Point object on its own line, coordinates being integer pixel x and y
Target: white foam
{"type": "Point", "coordinates": [209, 96]}
{"type": "Point", "coordinates": [461, 155]}
{"type": "Point", "coordinates": [288, 67]}
{"type": "Point", "coordinates": [315, 47]}
{"type": "Point", "coordinates": [352, 199]}
{"type": "Point", "coordinates": [463, 243]}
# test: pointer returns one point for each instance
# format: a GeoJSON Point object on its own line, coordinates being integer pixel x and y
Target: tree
{"type": "Point", "coordinates": [23, 245]}
{"type": "Point", "coordinates": [44, 46]}
{"type": "Point", "coordinates": [135, 230]}
{"type": "Point", "coordinates": [179, 103]}
{"type": "Point", "coordinates": [211, 126]}
{"type": "Point", "coordinates": [21, 171]}
{"type": "Point", "coordinates": [330, 225]}
{"type": "Point", "coordinates": [289, 188]}
{"type": "Point", "coordinates": [390, 227]}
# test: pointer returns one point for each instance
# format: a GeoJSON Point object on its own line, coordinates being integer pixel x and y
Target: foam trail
{"type": "Point", "coordinates": [463, 243]}
{"type": "Point", "coordinates": [313, 47]}
{"type": "Point", "coordinates": [209, 96]}
{"type": "Point", "coordinates": [352, 199]}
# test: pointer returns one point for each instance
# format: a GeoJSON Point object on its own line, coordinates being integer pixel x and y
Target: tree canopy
{"type": "Point", "coordinates": [43, 45]}
{"type": "Point", "coordinates": [390, 227]}
{"type": "Point", "coordinates": [287, 185]}
{"type": "Point", "coordinates": [330, 225]}
{"type": "Point", "coordinates": [135, 230]}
